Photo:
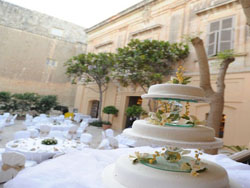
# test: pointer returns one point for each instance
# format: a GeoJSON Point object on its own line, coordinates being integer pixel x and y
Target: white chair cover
{"type": "Point", "coordinates": [21, 134]}
{"type": "Point", "coordinates": [68, 121]}
{"type": "Point", "coordinates": [34, 133]}
{"type": "Point", "coordinates": [58, 134]}
{"type": "Point", "coordinates": [113, 142]}
{"type": "Point", "coordinates": [6, 114]}
{"type": "Point", "coordinates": [14, 162]}
{"type": "Point", "coordinates": [44, 130]}
{"type": "Point", "coordinates": [72, 133]}
{"type": "Point", "coordinates": [10, 120]}
{"type": "Point", "coordinates": [109, 133]}
{"type": "Point", "coordinates": [82, 128]}
{"type": "Point", "coordinates": [104, 144]}
{"type": "Point", "coordinates": [84, 125]}
{"type": "Point", "coordinates": [86, 138]}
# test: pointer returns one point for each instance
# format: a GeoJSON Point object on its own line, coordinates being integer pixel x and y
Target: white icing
{"type": "Point", "coordinates": [138, 175]}
{"type": "Point", "coordinates": [175, 91]}
{"type": "Point", "coordinates": [198, 133]}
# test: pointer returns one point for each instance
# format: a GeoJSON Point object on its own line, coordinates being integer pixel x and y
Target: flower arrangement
{"type": "Point", "coordinates": [168, 112]}
{"type": "Point", "coordinates": [172, 155]}
{"type": "Point", "coordinates": [49, 141]}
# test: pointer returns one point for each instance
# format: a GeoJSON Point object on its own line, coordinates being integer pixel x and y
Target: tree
{"type": "Point", "coordinates": [144, 63]}
{"type": "Point", "coordinates": [92, 67]}
{"type": "Point", "coordinates": [215, 98]}
{"type": "Point", "coordinates": [110, 110]}
{"type": "Point", "coordinates": [246, 8]}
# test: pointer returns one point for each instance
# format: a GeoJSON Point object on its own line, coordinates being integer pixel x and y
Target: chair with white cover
{"type": "Point", "coordinates": [34, 133]}
{"type": "Point", "coordinates": [113, 142]}
{"type": "Point", "coordinates": [12, 163]}
{"type": "Point", "coordinates": [104, 144]}
{"type": "Point", "coordinates": [57, 134]}
{"type": "Point", "coordinates": [82, 128]}
{"type": "Point", "coordinates": [28, 120]}
{"type": "Point", "coordinates": [21, 134]}
{"type": "Point", "coordinates": [44, 130]}
{"type": "Point", "coordinates": [72, 132]}
{"type": "Point", "coordinates": [109, 133]}
{"type": "Point", "coordinates": [6, 114]}
{"type": "Point", "coordinates": [2, 150]}
{"type": "Point", "coordinates": [86, 138]}
{"type": "Point", "coordinates": [68, 121]}
{"type": "Point", "coordinates": [11, 120]}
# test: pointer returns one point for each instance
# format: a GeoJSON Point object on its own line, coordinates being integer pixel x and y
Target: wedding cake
{"type": "Point", "coordinates": [171, 127]}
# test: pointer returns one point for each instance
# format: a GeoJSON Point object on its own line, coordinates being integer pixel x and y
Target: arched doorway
{"type": "Point", "coordinates": [94, 106]}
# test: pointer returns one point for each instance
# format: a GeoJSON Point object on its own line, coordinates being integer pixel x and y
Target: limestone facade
{"type": "Point", "coordinates": [220, 23]}
{"type": "Point", "coordinates": [33, 49]}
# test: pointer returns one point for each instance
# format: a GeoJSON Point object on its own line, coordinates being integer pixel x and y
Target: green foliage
{"type": "Point", "coordinates": [5, 96]}
{"type": "Point", "coordinates": [96, 123]}
{"type": "Point", "coordinates": [91, 67]}
{"type": "Point", "coordinates": [134, 111]}
{"type": "Point", "coordinates": [227, 54]}
{"type": "Point", "coordinates": [106, 123]}
{"type": "Point", "coordinates": [145, 63]}
{"type": "Point", "coordinates": [21, 103]}
{"type": "Point", "coordinates": [46, 103]}
{"type": "Point", "coordinates": [110, 110]}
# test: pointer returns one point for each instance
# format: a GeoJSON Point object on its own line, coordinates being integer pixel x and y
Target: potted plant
{"type": "Point", "coordinates": [134, 111]}
{"type": "Point", "coordinates": [109, 110]}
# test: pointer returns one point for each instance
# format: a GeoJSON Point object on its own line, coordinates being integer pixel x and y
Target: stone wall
{"type": "Point", "coordinates": [32, 55]}
{"type": "Point", "coordinates": [31, 21]}
{"type": "Point", "coordinates": [170, 20]}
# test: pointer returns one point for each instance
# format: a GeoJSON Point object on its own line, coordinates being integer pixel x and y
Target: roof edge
{"type": "Point", "coordinates": [120, 14]}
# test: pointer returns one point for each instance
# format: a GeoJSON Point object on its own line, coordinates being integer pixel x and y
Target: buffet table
{"type": "Point", "coordinates": [33, 149]}
{"type": "Point", "coordinates": [84, 169]}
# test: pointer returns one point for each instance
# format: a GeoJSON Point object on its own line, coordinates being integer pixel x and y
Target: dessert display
{"type": "Point", "coordinates": [173, 128]}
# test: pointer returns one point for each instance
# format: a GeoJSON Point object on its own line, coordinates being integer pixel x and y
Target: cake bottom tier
{"type": "Point", "coordinates": [126, 174]}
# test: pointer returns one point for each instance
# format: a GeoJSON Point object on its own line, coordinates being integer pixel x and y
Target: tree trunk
{"type": "Point", "coordinates": [246, 8]}
{"type": "Point", "coordinates": [100, 103]}
{"type": "Point", "coordinates": [215, 113]}
{"type": "Point", "coordinates": [216, 99]}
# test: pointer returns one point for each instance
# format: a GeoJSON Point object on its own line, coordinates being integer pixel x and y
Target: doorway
{"type": "Point", "coordinates": [94, 109]}
{"type": "Point", "coordinates": [132, 100]}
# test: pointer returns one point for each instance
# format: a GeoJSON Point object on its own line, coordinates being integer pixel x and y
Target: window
{"type": "Point", "coordinates": [57, 32]}
{"type": "Point", "coordinates": [220, 37]}
{"type": "Point", "coordinates": [51, 62]}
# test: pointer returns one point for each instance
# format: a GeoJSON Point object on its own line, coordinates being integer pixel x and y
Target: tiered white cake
{"type": "Point", "coordinates": [126, 174]}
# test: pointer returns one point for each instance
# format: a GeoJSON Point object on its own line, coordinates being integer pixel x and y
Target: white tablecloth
{"type": "Point", "coordinates": [78, 117]}
{"type": "Point", "coordinates": [56, 127]}
{"type": "Point", "coordinates": [34, 150]}
{"type": "Point", "coordinates": [83, 169]}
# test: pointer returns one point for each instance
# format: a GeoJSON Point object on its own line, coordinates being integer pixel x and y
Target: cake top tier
{"type": "Point", "coordinates": [175, 92]}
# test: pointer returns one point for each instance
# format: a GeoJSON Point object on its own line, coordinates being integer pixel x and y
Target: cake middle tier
{"type": "Point", "coordinates": [198, 133]}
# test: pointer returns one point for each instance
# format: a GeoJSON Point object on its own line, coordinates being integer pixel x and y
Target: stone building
{"type": "Point", "coordinates": [221, 24]}
{"type": "Point", "coordinates": [33, 49]}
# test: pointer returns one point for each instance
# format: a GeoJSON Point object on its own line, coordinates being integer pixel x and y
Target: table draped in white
{"type": "Point", "coordinates": [33, 149]}
{"type": "Point", "coordinates": [83, 169]}
{"type": "Point", "coordinates": [56, 127]}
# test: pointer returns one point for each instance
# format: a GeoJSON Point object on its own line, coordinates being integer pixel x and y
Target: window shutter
{"type": "Point", "coordinates": [212, 38]}
{"type": "Point", "coordinates": [226, 35]}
